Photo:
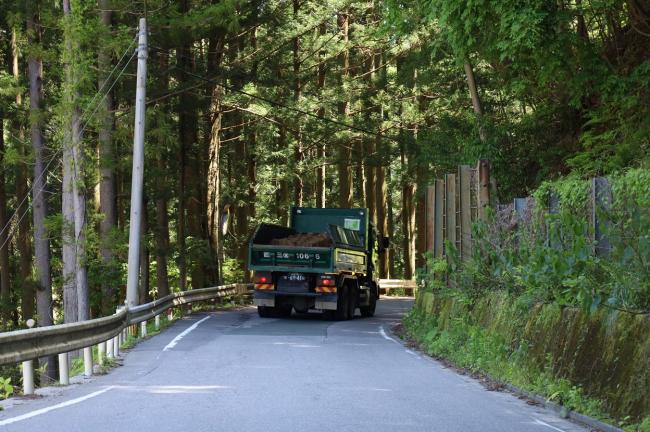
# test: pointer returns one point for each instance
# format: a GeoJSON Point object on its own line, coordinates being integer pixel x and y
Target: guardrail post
{"type": "Point", "coordinates": [157, 322]}
{"type": "Point", "coordinates": [64, 372]}
{"type": "Point", "coordinates": [116, 345]}
{"type": "Point", "coordinates": [88, 361]}
{"type": "Point", "coordinates": [143, 329]}
{"type": "Point", "coordinates": [101, 353]}
{"type": "Point", "coordinates": [170, 315]}
{"type": "Point", "coordinates": [28, 377]}
{"type": "Point", "coordinates": [109, 348]}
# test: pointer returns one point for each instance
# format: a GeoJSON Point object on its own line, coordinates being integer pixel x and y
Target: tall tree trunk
{"type": "Point", "coordinates": [184, 135]}
{"type": "Point", "coordinates": [143, 288]}
{"type": "Point", "coordinates": [74, 206]}
{"type": "Point", "coordinates": [320, 150]}
{"type": "Point", "coordinates": [390, 269]}
{"type": "Point", "coordinates": [420, 219]}
{"type": "Point", "coordinates": [252, 198]}
{"type": "Point", "coordinates": [162, 236]}
{"type": "Point", "coordinates": [24, 227]}
{"type": "Point", "coordinates": [24, 244]}
{"type": "Point", "coordinates": [282, 194]}
{"type": "Point", "coordinates": [582, 25]}
{"type": "Point", "coordinates": [298, 185]}
{"type": "Point", "coordinates": [408, 218]}
{"type": "Point", "coordinates": [39, 202]}
{"type": "Point", "coordinates": [212, 119]}
{"type": "Point", "coordinates": [476, 100]}
{"type": "Point", "coordinates": [252, 140]}
{"type": "Point", "coordinates": [162, 244]}
{"type": "Point", "coordinates": [5, 289]}
{"type": "Point", "coordinates": [162, 217]}
{"type": "Point", "coordinates": [252, 166]}
{"type": "Point", "coordinates": [107, 199]}
{"type": "Point", "coordinates": [214, 173]}
{"type": "Point", "coordinates": [70, 309]}
{"type": "Point", "coordinates": [369, 177]}
{"type": "Point", "coordinates": [246, 210]}
{"type": "Point", "coordinates": [382, 196]}
{"type": "Point", "coordinates": [345, 182]}
{"type": "Point", "coordinates": [371, 148]}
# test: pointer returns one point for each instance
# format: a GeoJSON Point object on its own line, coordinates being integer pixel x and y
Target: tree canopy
{"type": "Point", "coordinates": [255, 106]}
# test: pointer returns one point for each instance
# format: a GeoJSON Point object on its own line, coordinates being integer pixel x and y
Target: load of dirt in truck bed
{"type": "Point", "coordinates": [304, 239]}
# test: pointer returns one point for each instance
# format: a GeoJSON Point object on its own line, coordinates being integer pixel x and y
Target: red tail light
{"type": "Point", "coordinates": [326, 284]}
{"type": "Point", "coordinates": [326, 280]}
{"type": "Point", "coordinates": [262, 278]}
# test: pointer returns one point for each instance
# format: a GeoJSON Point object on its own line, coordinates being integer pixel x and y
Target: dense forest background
{"type": "Point", "coordinates": [255, 106]}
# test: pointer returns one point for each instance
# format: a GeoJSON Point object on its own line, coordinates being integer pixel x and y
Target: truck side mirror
{"type": "Point", "coordinates": [385, 242]}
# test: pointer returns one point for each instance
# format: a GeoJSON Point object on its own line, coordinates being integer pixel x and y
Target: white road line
{"type": "Point", "coordinates": [385, 336]}
{"type": "Point", "coordinates": [177, 339]}
{"type": "Point", "coordinates": [54, 407]}
{"type": "Point", "coordinates": [539, 422]}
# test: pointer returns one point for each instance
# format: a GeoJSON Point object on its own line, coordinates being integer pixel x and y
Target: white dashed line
{"type": "Point", "coordinates": [177, 339]}
{"type": "Point", "coordinates": [52, 408]}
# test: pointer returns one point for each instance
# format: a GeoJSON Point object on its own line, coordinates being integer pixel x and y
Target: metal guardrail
{"type": "Point", "coordinates": [21, 345]}
{"type": "Point", "coordinates": [150, 310]}
{"type": "Point", "coordinates": [385, 285]}
{"type": "Point", "coordinates": [106, 332]}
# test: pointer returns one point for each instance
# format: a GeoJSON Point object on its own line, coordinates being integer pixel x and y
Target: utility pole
{"type": "Point", "coordinates": [138, 170]}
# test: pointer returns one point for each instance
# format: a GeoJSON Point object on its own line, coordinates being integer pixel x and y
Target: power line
{"type": "Point", "coordinates": [281, 105]}
{"type": "Point", "coordinates": [46, 170]}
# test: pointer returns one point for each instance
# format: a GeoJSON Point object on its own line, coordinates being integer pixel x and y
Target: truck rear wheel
{"type": "Point", "coordinates": [369, 311]}
{"type": "Point", "coordinates": [266, 311]}
{"type": "Point", "coordinates": [352, 302]}
{"type": "Point", "coordinates": [274, 312]}
{"type": "Point", "coordinates": [342, 302]}
{"type": "Point", "coordinates": [284, 311]}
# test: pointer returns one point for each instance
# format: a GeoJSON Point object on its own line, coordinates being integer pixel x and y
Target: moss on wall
{"type": "Point", "coordinates": [606, 355]}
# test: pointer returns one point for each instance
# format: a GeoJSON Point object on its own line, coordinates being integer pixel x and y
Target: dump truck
{"type": "Point", "coordinates": [324, 260]}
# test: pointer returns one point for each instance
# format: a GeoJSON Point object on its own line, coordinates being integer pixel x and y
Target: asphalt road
{"type": "Point", "coordinates": [237, 372]}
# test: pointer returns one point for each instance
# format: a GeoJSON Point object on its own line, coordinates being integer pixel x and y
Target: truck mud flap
{"type": "Point", "coordinates": [264, 299]}
{"type": "Point", "coordinates": [327, 302]}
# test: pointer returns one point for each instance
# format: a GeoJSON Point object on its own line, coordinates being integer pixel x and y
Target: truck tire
{"type": "Point", "coordinates": [369, 311]}
{"type": "Point", "coordinates": [284, 311]}
{"type": "Point", "coordinates": [343, 299]}
{"type": "Point", "coordinates": [274, 312]}
{"type": "Point", "coordinates": [352, 302]}
{"type": "Point", "coordinates": [266, 311]}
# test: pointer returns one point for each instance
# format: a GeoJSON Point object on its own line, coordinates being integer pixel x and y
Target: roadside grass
{"type": "Point", "coordinates": [472, 349]}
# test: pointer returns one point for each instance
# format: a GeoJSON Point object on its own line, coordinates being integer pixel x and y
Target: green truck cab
{"type": "Point", "coordinates": [324, 260]}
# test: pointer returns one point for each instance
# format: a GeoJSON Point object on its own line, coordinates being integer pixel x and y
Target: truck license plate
{"type": "Point", "coordinates": [296, 277]}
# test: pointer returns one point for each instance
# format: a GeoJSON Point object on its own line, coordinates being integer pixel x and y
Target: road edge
{"type": "Point", "coordinates": [559, 410]}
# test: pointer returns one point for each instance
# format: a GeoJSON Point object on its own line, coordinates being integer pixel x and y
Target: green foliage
{"type": "Point", "coordinates": [6, 389]}
{"type": "Point", "coordinates": [489, 340]}
{"type": "Point", "coordinates": [232, 271]}
{"type": "Point", "coordinates": [644, 426]}
{"type": "Point", "coordinates": [550, 257]}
